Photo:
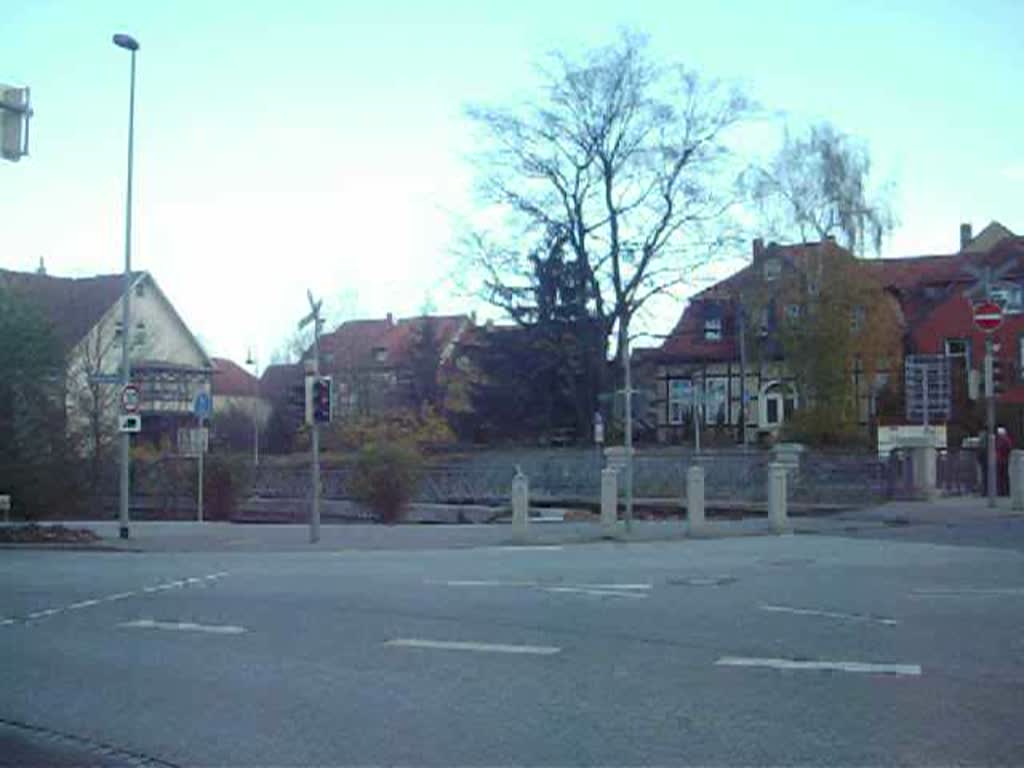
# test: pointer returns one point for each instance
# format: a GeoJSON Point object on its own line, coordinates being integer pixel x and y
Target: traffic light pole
{"type": "Point", "coordinates": [314, 523]}
{"type": "Point", "coordinates": [990, 418]}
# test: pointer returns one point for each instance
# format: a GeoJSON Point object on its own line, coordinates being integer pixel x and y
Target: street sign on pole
{"type": "Point", "coordinates": [130, 399]}
{"type": "Point", "coordinates": [988, 315]}
{"type": "Point", "coordinates": [202, 405]}
{"type": "Point", "coordinates": [129, 423]}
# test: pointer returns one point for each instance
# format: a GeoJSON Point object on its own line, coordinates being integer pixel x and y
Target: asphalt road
{"type": "Point", "coordinates": [767, 650]}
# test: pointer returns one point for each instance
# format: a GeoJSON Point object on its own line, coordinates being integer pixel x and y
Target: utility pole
{"type": "Point", "coordinates": [741, 322]}
{"type": "Point", "coordinates": [128, 43]}
{"type": "Point", "coordinates": [314, 317]}
{"type": "Point", "coordinates": [990, 403]}
{"type": "Point", "coordinates": [628, 437]}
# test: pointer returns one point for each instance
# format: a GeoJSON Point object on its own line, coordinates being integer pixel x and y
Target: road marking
{"type": "Point", "coordinates": [596, 592]}
{"type": "Point", "coordinates": [530, 548]}
{"type": "Point", "coordinates": [484, 583]}
{"type": "Point", "coordinates": [41, 614]}
{"type": "Point", "coordinates": [830, 614]}
{"type": "Point", "coordinates": [536, 650]}
{"type": "Point", "coordinates": [839, 666]}
{"type": "Point", "coordinates": [184, 626]}
{"type": "Point", "coordinates": [111, 598]}
{"type": "Point", "coordinates": [968, 592]}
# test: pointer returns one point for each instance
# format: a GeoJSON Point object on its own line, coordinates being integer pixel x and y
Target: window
{"type": "Point", "coordinates": [140, 290]}
{"type": "Point", "coordinates": [772, 269]}
{"type": "Point", "coordinates": [1020, 356]}
{"type": "Point", "coordinates": [958, 348]}
{"type": "Point", "coordinates": [857, 318]}
{"type": "Point", "coordinates": [380, 354]}
{"type": "Point", "coordinates": [713, 329]}
{"type": "Point", "coordinates": [715, 402]}
{"type": "Point", "coordinates": [792, 312]}
{"type": "Point", "coordinates": [680, 400]}
{"type": "Point", "coordinates": [772, 411]}
{"type": "Point", "coordinates": [1010, 297]}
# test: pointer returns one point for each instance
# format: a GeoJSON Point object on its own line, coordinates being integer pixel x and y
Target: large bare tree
{"type": "Point", "coordinates": [818, 186]}
{"type": "Point", "coordinates": [620, 162]}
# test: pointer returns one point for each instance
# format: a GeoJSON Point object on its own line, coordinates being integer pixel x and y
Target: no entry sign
{"type": "Point", "coordinates": [988, 316]}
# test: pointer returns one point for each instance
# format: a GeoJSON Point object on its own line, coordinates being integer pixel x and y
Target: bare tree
{"type": "Point", "coordinates": [817, 186]}
{"type": "Point", "coordinates": [621, 162]}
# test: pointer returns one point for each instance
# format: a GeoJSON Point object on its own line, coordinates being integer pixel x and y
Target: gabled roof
{"type": "Point", "coordinates": [356, 342]}
{"type": "Point", "coordinates": [231, 380]}
{"type": "Point", "coordinates": [988, 238]}
{"type": "Point", "coordinates": [73, 305]}
{"type": "Point", "coordinates": [277, 378]}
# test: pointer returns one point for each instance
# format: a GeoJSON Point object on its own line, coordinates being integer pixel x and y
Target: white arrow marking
{"type": "Point", "coordinates": [828, 614]}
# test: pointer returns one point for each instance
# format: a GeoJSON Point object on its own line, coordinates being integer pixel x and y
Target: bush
{"type": "Point", "coordinates": [385, 478]}
{"type": "Point", "coordinates": [823, 427]}
{"type": "Point", "coordinates": [224, 480]}
{"type": "Point", "coordinates": [423, 430]}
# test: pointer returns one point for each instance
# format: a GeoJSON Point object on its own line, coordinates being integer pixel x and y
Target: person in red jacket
{"type": "Point", "coordinates": [1003, 447]}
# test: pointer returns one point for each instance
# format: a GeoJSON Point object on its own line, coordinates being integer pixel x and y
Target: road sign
{"type": "Point", "coordinates": [193, 441]}
{"type": "Point", "coordinates": [130, 399]}
{"type": "Point", "coordinates": [105, 378]}
{"type": "Point", "coordinates": [129, 422]}
{"type": "Point", "coordinates": [988, 316]}
{"type": "Point", "coordinates": [202, 405]}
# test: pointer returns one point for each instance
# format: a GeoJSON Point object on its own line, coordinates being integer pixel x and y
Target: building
{"type": "Point", "coordinates": [168, 364]}
{"type": "Point", "coordinates": [380, 366]}
{"type": "Point", "coordinates": [707, 370]}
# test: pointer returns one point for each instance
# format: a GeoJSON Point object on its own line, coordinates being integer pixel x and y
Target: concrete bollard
{"type": "Point", "coordinates": [1017, 479]}
{"type": "Point", "coordinates": [777, 515]}
{"type": "Point", "coordinates": [924, 463]}
{"type": "Point", "coordinates": [695, 500]}
{"type": "Point", "coordinates": [520, 503]}
{"type": "Point", "coordinates": [609, 502]}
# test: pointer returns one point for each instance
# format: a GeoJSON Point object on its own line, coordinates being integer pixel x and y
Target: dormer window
{"type": "Point", "coordinates": [380, 354]}
{"type": "Point", "coordinates": [772, 269]}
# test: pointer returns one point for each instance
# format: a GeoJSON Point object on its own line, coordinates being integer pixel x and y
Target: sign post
{"type": "Point", "coordinates": [988, 316]}
{"type": "Point", "coordinates": [315, 318]}
{"type": "Point", "coordinates": [201, 407]}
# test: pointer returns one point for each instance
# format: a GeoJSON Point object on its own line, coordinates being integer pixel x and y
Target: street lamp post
{"type": "Point", "coordinates": [251, 360]}
{"type": "Point", "coordinates": [129, 44]}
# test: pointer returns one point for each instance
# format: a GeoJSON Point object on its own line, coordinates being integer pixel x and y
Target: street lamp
{"type": "Point", "coordinates": [129, 44]}
{"type": "Point", "coordinates": [251, 360]}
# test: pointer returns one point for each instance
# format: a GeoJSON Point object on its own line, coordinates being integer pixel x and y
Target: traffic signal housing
{"type": "Point", "coordinates": [999, 376]}
{"type": "Point", "coordinates": [320, 405]}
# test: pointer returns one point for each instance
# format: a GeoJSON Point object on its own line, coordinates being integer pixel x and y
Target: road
{"type": "Point", "coordinates": [796, 649]}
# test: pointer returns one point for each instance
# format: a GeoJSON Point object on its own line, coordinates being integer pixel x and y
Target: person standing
{"type": "Point", "coordinates": [1004, 444]}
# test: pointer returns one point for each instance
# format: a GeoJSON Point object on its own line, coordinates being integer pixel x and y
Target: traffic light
{"type": "Point", "coordinates": [322, 400]}
{"type": "Point", "coordinates": [998, 376]}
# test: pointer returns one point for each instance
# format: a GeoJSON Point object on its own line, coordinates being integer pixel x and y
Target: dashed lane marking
{"type": "Point", "coordinates": [830, 614]}
{"type": "Point", "coordinates": [37, 615]}
{"type": "Point", "coordinates": [815, 666]}
{"type": "Point", "coordinates": [184, 626]}
{"type": "Point", "coordinates": [445, 645]}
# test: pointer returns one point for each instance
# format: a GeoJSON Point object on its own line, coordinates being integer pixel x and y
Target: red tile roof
{"type": "Point", "coordinates": [231, 380]}
{"type": "Point", "coordinates": [355, 342]}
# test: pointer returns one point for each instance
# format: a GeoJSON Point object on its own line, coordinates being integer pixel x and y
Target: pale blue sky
{"type": "Point", "coordinates": [293, 144]}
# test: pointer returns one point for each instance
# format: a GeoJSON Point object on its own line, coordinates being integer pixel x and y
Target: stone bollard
{"type": "Point", "coordinates": [609, 502]}
{"type": "Point", "coordinates": [924, 465]}
{"type": "Point", "coordinates": [777, 516]}
{"type": "Point", "coordinates": [1017, 479]}
{"type": "Point", "coordinates": [520, 503]}
{"type": "Point", "coordinates": [695, 500]}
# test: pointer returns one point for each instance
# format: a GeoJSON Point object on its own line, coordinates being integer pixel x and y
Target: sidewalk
{"type": "Point", "coordinates": [235, 537]}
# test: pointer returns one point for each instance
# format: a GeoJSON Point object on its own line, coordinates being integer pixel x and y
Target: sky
{"type": "Point", "coordinates": [302, 145]}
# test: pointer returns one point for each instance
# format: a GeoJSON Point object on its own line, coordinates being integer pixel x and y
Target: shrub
{"type": "Point", "coordinates": [823, 427]}
{"type": "Point", "coordinates": [385, 478]}
{"type": "Point", "coordinates": [225, 479]}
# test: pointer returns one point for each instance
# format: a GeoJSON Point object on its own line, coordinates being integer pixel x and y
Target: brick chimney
{"type": "Point", "coordinates": [966, 235]}
{"type": "Point", "coordinates": [391, 319]}
{"type": "Point", "coordinates": [758, 249]}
